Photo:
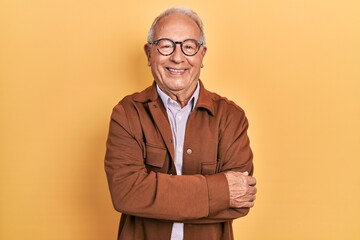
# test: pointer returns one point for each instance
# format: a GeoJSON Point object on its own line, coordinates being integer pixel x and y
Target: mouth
{"type": "Point", "coordinates": [175, 71]}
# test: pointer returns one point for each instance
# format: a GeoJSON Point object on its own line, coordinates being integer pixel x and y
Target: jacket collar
{"type": "Point", "coordinates": [205, 97]}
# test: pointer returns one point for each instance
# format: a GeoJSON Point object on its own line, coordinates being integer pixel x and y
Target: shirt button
{"type": "Point", "coordinates": [189, 151]}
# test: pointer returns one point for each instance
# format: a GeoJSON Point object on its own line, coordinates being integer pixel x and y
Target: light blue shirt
{"type": "Point", "coordinates": [178, 118]}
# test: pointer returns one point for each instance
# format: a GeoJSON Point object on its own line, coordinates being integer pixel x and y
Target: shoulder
{"type": "Point", "coordinates": [124, 103]}
{"type": "Point", "coordinates": [224, 106]}
{"type": "Point", "coordinates": [230, 116]}
{"type": "Point", "coordinates": [125, 114]}
{"type": "Point", "coordinates": [131, 100]}
{"type": "Point", "coordinates": [125, 108]}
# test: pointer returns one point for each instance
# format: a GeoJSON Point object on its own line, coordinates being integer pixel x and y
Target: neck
{"type": "Point", "coordinates": [181, 102]}
{"type": "Point", "coordinates": [182, 97]}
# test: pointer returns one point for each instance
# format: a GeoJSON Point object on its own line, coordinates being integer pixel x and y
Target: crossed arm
{"type": "Point", "coordinates": [187, 198]}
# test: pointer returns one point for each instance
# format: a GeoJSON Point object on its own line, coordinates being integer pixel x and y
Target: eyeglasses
{"type": "Point", "coordinates": [167, 46]}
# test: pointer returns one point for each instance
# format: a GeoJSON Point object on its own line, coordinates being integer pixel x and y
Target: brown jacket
{"type": "Point", "coordinates": [141, 174]}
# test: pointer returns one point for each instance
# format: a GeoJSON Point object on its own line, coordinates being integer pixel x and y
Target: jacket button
{"type": "Point", "coordinates": [189, 151]}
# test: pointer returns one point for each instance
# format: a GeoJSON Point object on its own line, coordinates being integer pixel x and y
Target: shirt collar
{"type": "Point", "coordinates": [167, 100]}
{"type": "Point", "coordinates": [206, 99]}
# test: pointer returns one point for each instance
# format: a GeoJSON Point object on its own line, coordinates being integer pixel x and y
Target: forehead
{"type": "Point", "coordinates": [177, 26]}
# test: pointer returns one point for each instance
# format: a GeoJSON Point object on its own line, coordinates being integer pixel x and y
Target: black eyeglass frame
{"type": "Point", "coordinates": [199, 44]}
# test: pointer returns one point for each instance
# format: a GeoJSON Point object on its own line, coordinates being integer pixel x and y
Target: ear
{"type": "Point", "coordinates": [147, 49]}
{"type": "Point", "coordinates": [202, 53]}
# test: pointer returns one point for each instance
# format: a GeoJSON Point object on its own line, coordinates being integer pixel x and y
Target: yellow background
{"type": "Point", "coordinates": [292, 65]}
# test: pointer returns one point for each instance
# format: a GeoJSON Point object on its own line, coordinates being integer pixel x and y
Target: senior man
{"type": "Point", "coordinates": [178, 159]}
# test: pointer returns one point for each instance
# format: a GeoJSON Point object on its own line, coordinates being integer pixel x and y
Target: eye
{"type": "Point", "coordinates": [165, 44]}
{"type": "Point", "coordinates": [189, 46]}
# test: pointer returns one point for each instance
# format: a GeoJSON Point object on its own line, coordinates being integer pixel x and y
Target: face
{"type": "Point", "coordinates": [177, 74]}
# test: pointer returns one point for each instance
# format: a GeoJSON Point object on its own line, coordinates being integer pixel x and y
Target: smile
{"type": "Point", "coordinates": [173, 70]}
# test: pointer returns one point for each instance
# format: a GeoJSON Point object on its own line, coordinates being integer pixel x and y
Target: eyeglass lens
{"type": "Point", "coordinates": [189, 47]}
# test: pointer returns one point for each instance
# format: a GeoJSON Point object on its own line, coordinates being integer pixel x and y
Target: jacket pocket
{"type": "Point", "coordinates": [208, 168]}
{"type": "Point", "coordinates": [155, 156]}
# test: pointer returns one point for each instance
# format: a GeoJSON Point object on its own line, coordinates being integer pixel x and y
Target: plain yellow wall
{"type": "Point", "coordinates": [292, 65]}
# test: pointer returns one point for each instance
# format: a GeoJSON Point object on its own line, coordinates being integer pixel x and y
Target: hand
{"type": "Point", "coordinates": [242, 189]}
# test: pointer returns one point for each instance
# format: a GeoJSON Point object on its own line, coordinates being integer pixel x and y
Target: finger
{"type": "Point", "coordinates": [250, 204]}
{"type": "Point", "coordinates": [250, 198]}
{"type": "Point", "coordinates": [251, 181]}
{"type": "Point", "coordinates": [252, 190]}
{"type": "Point", "coordinates": [246, 198]}
{"type": "Point", "coordinates": [246, 173]}
{"type": "Point", "coordinates": [246, 205]}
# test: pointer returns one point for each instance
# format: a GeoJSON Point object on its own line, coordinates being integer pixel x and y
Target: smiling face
{"type": "Point", "coordinates": [177, 74]}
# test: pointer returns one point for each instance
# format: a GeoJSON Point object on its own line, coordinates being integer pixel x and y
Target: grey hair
{"type": "Point", "coordinates": [187, 12]}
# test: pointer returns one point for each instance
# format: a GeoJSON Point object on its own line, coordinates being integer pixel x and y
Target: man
{"type": "Point", "coordinates": [178, 160]}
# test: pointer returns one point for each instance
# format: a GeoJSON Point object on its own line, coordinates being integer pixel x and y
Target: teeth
{"type": "Point", "coordinates": [176, 70]}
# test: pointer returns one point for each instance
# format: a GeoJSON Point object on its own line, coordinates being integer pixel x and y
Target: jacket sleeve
{"type": "Point", "coordinates": [156, 195]}
{"type": "Point", "coordinates": [234, 154]}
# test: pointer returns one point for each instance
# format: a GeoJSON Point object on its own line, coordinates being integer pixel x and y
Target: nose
{"type": "Point", "coordinates": [177, 55]}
